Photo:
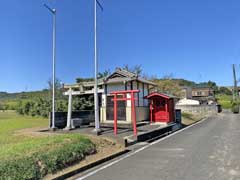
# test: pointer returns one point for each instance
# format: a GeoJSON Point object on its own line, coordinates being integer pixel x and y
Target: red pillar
{"type": "Point", "coordinates": [151, 112]}
{"type": "Point", "coordinates": [115, 114]}
{"type": "Point", "coordinates": [166, 109]}
{"type": "Point", "coordinates": [133, 114]}
{"type": "Point", "coordinates": [166, 106]}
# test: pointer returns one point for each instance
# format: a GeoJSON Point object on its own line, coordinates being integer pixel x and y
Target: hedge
{"type": "Point", "coordinates": [39, 164]}
{"type": "Point", "coordinates": [235, 108]}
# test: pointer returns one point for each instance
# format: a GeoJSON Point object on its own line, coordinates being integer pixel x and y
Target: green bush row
{"type": "Point", "coordinates": [42, 106]}
{"type": "Point", "coordinates": [38, 165]}
{"type": "Point", "coordinates": [39, 106]}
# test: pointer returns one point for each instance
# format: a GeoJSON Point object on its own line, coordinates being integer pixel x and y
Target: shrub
{"type": "Point", "coordinates": [224, 100]}
{"type": "Point", "coordinates": [39, 164]}
{"type": "Point", "coordinates": [39, 106]}
{"type": "Point", "coordinates": [20, 168]}
{"type": "Point", "coordinates": [235, 107]}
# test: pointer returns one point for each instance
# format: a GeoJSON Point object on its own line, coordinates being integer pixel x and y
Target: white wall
{"type": "Point", "coordinates": [128, 85]}
{"type": "Point", "coordinates": [187, 102]}
{"type": "Point", "coordinates": [145, 94]}
{"type": "Point", "coordinates": [141, 100]}
{"type": "Point", "coordinates": [104, 100]}
{"type": "Point", "coordinates": [136, 96]}
{"type": "Point", "coordinates": [142, 113]}
{"type": "Point", "coordinates": [115, 87]}
{"type": "Point", "coordinates": [121, 86]}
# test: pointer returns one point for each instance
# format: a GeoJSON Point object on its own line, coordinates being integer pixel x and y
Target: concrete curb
{"type": "Point", "coordinates": [182, 128]}
{"type": "Point", "coordinates": [149, 136]}
{"type": "Point", "coordinates": [91, 165]}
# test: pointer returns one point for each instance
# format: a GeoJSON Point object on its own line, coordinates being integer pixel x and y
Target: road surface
{"type": "Point", "coordinates": [209, 150]}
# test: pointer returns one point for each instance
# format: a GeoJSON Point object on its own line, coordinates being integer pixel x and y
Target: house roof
{"type": "Point", "coordinates": [120, 75]}
{"type": "Point", "coordinates": [201, 87]}
{"type": "Point", "coordinates": [166, 96]}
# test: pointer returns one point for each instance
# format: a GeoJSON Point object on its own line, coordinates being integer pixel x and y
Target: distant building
{"type": "Point", "coordinates": [203, 94]}
{"type": "Point", "coordinates": [187, 92]}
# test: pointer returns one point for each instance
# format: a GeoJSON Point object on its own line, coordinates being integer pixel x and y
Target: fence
{"type": "Point", "coordinates": [61, 117]}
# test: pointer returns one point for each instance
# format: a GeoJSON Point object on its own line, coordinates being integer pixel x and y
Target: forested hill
{"type": "Point", "coordinates": [4, 96]}
{"type": "Point", "coordinates": [172, 83]}
{"type": "Point", "coordinates": [188, 83]}
{"type": "Point", "coordinates": [182, 82]}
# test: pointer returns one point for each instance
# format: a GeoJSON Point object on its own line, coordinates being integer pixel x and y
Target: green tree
{"type": "Point", "coordinates": [168, 86]}
{"type": "Point", "coordinates": [58, 89]}
{"type": "Point", "coordinates": [1, 106]}
{"type": "Point", "coordinates": [104, 74]}
{"type": "Point", "coordinates": [137, 69]}
{"type": "Point", "coordinates": [83, 103]}
{"type": "Point", "coordinates": [224, 90]}
{"type": "Point", "coordinates": [79, 80]}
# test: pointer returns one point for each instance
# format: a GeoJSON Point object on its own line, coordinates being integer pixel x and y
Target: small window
{"type": "Point", "coordinates": [199, 93]}
{"type": "Point", "coordinates": [160, 103]}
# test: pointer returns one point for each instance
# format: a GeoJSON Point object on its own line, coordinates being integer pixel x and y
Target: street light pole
{"type": "Point", "coordinates": [53, 11]}
{"type": "Point", "coordinates": [96, 105]}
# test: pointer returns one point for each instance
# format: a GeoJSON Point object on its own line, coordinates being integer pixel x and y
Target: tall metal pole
{"type": "Point", "coordinates": [53, 70]}
{"type": "Point", "coordinates": [53, 11]}
{"type": "Point", "coordinates": [97, 126]}
{"type": "Point", "coordinates": [235, 90]}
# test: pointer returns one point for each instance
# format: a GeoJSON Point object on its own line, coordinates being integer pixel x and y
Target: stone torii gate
{"type": "Point", "coordinates": [70, 94]}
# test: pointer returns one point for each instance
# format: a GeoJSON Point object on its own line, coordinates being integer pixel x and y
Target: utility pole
{"type": "Point", "coordinates": [53, 11]}
{"type": "Point", "coordinates": [96, 105]}
{"type": "Point", "coordinates": [235, 90]}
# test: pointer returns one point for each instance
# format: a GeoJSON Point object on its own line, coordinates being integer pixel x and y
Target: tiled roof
{"type": "Point", "coordinates": [120, 75]}
{"type": "Point", "coordinates": [167, 96]}
{"type": "Point", "coordinates": [124, 75]}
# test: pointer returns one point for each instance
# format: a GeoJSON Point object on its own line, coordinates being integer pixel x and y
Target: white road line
{"type": "Point", "coordinates": [138, 150]}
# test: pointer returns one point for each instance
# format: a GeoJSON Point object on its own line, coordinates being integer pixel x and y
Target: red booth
{"type": "Point", "coordinates": [161, 107]}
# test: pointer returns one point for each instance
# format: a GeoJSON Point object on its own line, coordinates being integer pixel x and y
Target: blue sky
{"type": "Point", "coordinates": [195, 40]}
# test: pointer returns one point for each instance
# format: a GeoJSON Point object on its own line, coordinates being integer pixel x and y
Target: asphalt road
{"type": "Point", "coordinates": [209, 150]}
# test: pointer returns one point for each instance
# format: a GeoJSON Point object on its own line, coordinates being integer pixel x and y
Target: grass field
{"type": "Point", "coordinates": [10, 142]}
{"type": "Point", "coordinates": [17, 143]}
